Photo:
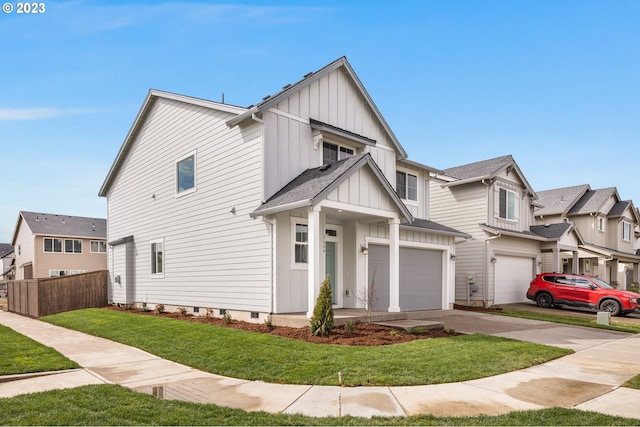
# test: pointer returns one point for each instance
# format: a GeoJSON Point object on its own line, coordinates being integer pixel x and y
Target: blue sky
{"type": "Point", "coordinates": [554, 83]}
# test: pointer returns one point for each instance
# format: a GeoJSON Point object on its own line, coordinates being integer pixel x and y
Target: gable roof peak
{"type": "Point", "coordinates": [479, 169]}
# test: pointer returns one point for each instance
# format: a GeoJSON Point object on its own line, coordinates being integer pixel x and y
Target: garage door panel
{"type": "Point", "coordinates": [420, 279]}
{"type": "Point", "coordinates": [512, 277]}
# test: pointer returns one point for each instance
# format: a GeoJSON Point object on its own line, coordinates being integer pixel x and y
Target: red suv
{"type": "Point", "coordinates": [557, 289]}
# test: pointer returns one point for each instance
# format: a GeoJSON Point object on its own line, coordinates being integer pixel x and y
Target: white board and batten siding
{"type": "Point", "coordinates": [333, 99]}
{"type": "Point", "coordinates": [212, 256]}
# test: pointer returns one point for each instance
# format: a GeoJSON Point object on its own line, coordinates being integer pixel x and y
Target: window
{"type": "Point", "coordinates": [333, 153]}
{"type": "Point", "coordinates": [157, 258]}
{"type": "Point", "coordinates": [407, 186]}
{"type": "Point", "coordinates": [301, 245]}
{"type": "Point", "coordinates": [600, 224]}
{"type": "Point", "coordinates": [186, 174]}
{"type": "Point", "coordinates": [507, 204]}
{"type": "Point", "coordinates": [60, 273]}
{"type": "Point", "coordinates": [52, 244]}
{"type": "Point", "coordinates": [587, 265]}
{"type": "Point", "coordinates": [626, 231]}
{"type": "Point", "coordinates": [98, 247]}
{"type": "Point", "coordinates": [72, 246]}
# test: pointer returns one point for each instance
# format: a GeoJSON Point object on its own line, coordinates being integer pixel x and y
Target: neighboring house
{"type": "Point", "coordinates": [248, 209]}
{"type": "Point", "coordinates": [607, 224]}
{"type": "Point", "coordinates": [50, 245]}
{"type": "Point", "coordinates": [6, 261]}
{"type": "Point", "coordinates": [492, 201]}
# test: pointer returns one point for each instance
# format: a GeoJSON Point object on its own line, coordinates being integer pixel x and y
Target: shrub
{"type": "Point", "coordinates": [182, 311]}
{"type": "Point", "coordinates": [322, 319]}
{"type": "Point", "coordinates": [349, 327]}
{"type": "Point", "coordinates": [159, 308]}
{"type": "Point", "coordinates": [227, 318]}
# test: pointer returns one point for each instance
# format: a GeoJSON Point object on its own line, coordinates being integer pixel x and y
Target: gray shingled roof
{"type": "Point", "coordinates": [592, 201]}
{"type": "Point", "coordinates": [559, 200]}
{"type": "Point", "coordinates": [551, 231]}
{"type": "Point", "coordinates": [479, 169]}
{"type": "Point", "coordinates": [313, 184]}
{"type": "Point", "coordinates": [619, 208]}
{"type": "Point", "coordinates": [65, 225]}
{"type": "Point", "coordinates": [5, 249]}
{"type": "Point", "coordinates": [434, 226]}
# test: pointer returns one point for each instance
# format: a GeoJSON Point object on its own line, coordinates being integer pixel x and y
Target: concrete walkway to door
{"type": "Point", "coordinates": [589, 379]}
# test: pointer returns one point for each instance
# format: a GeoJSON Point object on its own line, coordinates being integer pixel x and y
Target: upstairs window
{"type": "Point", "coordinates": [186, 174]}
{"type": "Point", "coordinates": [601, 223]}
{"type": "Point", "coordinates": [332, 152]}
{"type": "Point", "coordinates": [98, 247]}
{"type": "Point", "coordinates": [52, 245]}
{"type": "Point", "coordinates": [407, 186]}
{"type": "Point", "coordinates": [72, 246]}
{"type": "Point", "coordinates": [507, 204]}
{"type": "Point", "coordinates": [626, 231]}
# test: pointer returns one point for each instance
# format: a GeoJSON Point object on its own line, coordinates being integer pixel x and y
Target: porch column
{"type": "Point", "coordinates": [394, 265]}
{"type": "Point", "coordinates": [556, 261]}
{"type": "Point", "coordinates": [313, 260]}
{"type": "Point", "coordinates": [576, 263]}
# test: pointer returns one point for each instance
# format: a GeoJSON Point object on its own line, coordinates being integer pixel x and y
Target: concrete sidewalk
{"type": "Point", "coordinates": [588, 379]}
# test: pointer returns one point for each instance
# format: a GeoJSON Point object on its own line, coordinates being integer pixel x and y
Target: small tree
{"type": "Point", "coordinates": [368, 297]}
{"type": "Point", "coordinates": [322, 319]}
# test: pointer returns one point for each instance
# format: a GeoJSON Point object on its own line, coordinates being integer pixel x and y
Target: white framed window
{"type": "Point", "coordinates": [334, 152]}
{"type": "Point", "coordinates": [601, 224]}
{"type": "Point", "coordinates": [507, 204]}
{"type": "Point", "coordinates": [157, 258]}
{"type": "Point", "coordinates": [60, 273]}
{"type": "Point", "coordinates": [72, 246]}
{"type": "Point", "coordinates": [300, 244]}
{"type": "Point", "coordinates": [407, 186]}
{"type": "Point", "coordinates": [98, 247]}
{"type": "Point", "coordinates": [52, 244]}
{"type": "Point", "coordinates": [186, 174]}
{"type": "Point", "coordinates": [587, 265]}
{"type": "Point", "coordinates": [626, 231]}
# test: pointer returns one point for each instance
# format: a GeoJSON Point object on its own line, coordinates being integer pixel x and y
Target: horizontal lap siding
{"type": "Point", "coordinates": [213, 257]}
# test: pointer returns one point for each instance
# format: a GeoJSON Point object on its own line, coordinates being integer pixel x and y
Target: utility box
{"type": "Point", "coordinates": [604, 318]}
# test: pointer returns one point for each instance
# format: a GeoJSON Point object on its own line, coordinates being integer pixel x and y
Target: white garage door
{"type": "Point", "coordinates": [513, 275]}
{"type": "Point", "coordinates": [420, 278]}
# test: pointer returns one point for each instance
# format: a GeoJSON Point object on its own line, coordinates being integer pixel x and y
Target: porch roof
{"type": "Point", "coordinates": [435, 228]}
{"type": "Point", "coordinates": [313, 185]}
{"type": "Point", "coordinates": [611, 253]}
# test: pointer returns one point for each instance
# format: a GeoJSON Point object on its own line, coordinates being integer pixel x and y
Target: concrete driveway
{"type": "Point", "coordinates": [573, 337]}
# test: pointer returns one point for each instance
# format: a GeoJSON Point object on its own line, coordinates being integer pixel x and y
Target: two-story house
{"type": "Point", "coordinates": [492, 201]}
{"type": "Point", "coordinates": [6, 261]}
{"type": "Point", "coordinates": [607, 225]}
{"type": "Point", "coordinates": [247, 210]}
{"type": "Point", "coordinates": [50, 245]}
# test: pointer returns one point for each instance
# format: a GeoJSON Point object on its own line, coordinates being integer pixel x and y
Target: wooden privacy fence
{"type": "Point", "coordinates": [41, 297]}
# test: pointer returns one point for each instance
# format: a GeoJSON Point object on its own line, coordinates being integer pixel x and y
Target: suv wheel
{"type": "Point", "coordinates": [544, 300]}
{"type": "Point", "coordinates": [611, 306]}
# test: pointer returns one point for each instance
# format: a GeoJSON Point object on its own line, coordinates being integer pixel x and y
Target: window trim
{"type": "Point", "coordinates": [73, 251]}
{"type": "Point", "coordinates": [91, 242]}
{"type": "Point", "coordinates": [294, 223]}
{"type": "Point", "coordinates": [156, 273]}
{"type": "Point", "coordinates": [626, 230]}
{"type": "Point", "coordinates": [177, 174]}
{"type": "Point", "coordinates": [340, 148]}
{"type": "Point", "coordinates": [406, 185]}
{"type": "Point", "coordinates": [507, 192]}
{"type": "Point", "coordinates": [52, 251]}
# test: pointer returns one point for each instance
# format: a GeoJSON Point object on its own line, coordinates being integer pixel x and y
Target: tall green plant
{"type": "Point", "coordinates": [322, 319]}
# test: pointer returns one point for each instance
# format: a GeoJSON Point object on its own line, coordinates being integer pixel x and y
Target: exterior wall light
{"type": "Point", "coordinates": [364, 250]}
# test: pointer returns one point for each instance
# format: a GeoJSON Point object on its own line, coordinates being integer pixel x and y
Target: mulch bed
{"type": "Point", "coordinates": [363, 334]}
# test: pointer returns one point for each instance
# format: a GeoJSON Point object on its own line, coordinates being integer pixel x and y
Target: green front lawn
{"type": "Point", "coordinates": [115, 405]}
{"type": "Point", "coordinates": [21, 355]}
{"type": "Point", "coordinates": [617, 324]}
{"type": "Point", "coordinates": [263, 357]}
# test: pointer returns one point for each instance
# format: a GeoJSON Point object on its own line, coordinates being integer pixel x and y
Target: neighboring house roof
{"type": "Point", "coordinates": [435, 228]}
{"type": "Point", "coordinates": [420, 166]}
{"type": "Point", "coordinates": [593, 201]}
{"type": "Point", "coordinates": [559, 200]}
{"type": "Point", "coordinates": [272, 100]}
{"type": "Point", "coordinates": [485, 169]}
{"type": "Point", "coordinates": [152, 96]}
{"type": "Point", "coordinates": [610, 253]}
{"type": "Point", "coordinates": [62, 225]}
{"type": "Point", "coordinates": [554, 231]}
{"type": "Point", "coordinates": [313, 185]}
{"type": "Point", "coordinates": [5, 249]}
